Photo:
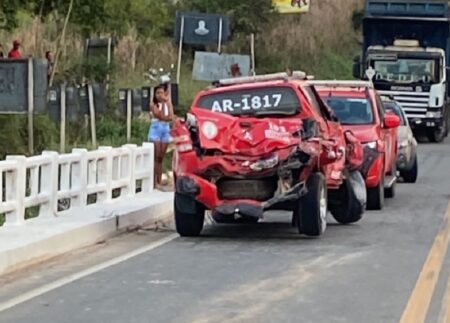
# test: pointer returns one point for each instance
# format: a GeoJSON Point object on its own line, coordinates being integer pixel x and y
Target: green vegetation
{"type": "Point", "coordinates": [322, 43]}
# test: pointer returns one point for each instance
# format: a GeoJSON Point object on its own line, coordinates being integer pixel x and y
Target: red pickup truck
{"type": "Point", "coordinates": [360, 109]}
{"type": "Point", "coordinates": [253, 144]}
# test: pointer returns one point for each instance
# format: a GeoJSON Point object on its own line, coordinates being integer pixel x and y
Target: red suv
{"type": "Point", "coordinates": [261, 143]}
{"type": "Point", "coordinates": [359, 108]}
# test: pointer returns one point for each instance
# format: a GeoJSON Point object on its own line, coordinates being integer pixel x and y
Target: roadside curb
{"type": "Point", "coordinates": [41, 239]}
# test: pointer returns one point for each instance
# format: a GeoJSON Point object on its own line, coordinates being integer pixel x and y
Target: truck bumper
{"type": "Point", "coordinates": [418, 124]}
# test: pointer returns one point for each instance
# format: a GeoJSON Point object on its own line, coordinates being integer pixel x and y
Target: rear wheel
{"type": "Point", "coordinates": [410, 176]}
{"type": "Point", "coordinates": [375, 196]}
{"type": "Point", "coordinates": [311, 211]}
{"type": "Point", "coordinates": [189, 215]}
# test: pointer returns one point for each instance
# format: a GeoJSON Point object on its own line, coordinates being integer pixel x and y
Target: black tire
{"type": "Point", "coordinates": [438, 135]}
{"type": "Point", "coordinates": [410, 176]}
{"type": "Point", "coordinates": [189, 216]}
{"type": "Point", "coordinates": [312, 208]}
{"type": "Point", "coordinates": [390, 192]}
{"type": "Point", "coordinates": [375, 196]}
{"type": "Point", "coordinates": [350, 209]}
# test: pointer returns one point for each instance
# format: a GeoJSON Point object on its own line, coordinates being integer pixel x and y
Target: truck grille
{"type": "Point", "coordinates": [415, 104]}
{"type": "Point", "coordinates": [258, 189]}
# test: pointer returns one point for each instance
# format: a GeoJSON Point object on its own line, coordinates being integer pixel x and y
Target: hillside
{"type": "Point", "coordinates": [321, 42]}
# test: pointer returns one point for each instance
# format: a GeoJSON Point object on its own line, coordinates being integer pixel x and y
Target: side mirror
{"type": "Point", "coordinates": [357, 67]}
{"type": "Point", "coordinates": [391, 120]}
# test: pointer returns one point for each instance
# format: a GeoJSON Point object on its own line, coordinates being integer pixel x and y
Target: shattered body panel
{"type": "Point", "coordinates": [246, 164]}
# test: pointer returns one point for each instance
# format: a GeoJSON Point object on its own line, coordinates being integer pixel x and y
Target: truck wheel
{"type": "Point", "coordinates": [352, 199]}
{"type": "Point", "coordinates": [189, 216]}
{"type": "Point", "coordinates": [438, 135]}
{"type": "Point", "coordinates": [410, 176]}
{"type": "Point", "coordinates": [311, 211]}
{"type": "Point", "coordinates": [375, 196]}
{"type": "Point", "coordinates": [390, 192]}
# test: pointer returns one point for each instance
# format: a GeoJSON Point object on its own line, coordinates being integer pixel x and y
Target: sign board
{"type": "Point", "coordinates": [202, 28]}
{"type": "Point", "coordinates": [100, 47]}
{"type": "Point", "coordinates": [292, 6]}
{"type": "Point", "coordinates": [14, 85]}
{"type": "Point", "coordinates": [214, 66]}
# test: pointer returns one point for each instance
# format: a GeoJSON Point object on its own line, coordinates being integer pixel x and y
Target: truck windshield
{"type": "Point", "coordinates": [406, 71]}
{"type": "Point", "coordinates": [351, 111]}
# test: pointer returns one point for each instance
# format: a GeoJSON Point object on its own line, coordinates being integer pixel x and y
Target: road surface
{"type": "Point", "coordinates": [392, 266]}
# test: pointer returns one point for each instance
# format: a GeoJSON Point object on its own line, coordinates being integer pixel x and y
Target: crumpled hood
{"type": "Point", "coordinates": [247, 136]}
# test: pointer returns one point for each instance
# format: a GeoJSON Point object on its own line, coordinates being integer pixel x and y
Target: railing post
{"type": "Point", "coordinates": [106, 172]}
{"type": "Point", "coordinates": [79, 178]}
{"type": "Point", "coordinates": [131, 168]}
{"type": "Point", "coordinates": [49, 184]}
{"type": "Point", "coordinates": [16, 182]}
{"type": "Point", "coordinates": [149, 160]}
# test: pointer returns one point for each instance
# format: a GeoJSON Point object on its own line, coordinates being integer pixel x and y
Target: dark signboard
{"type": "Point", "coordinates": [202, 28]}
{"type": "Point", "coordinates": [14, 85]}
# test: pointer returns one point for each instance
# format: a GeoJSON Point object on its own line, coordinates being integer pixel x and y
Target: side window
{"type": "Point", "coordinates": [316, 102]}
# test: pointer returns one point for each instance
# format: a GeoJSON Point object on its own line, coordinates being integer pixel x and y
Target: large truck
{"type": "Point", "coordinates": [406, 50]}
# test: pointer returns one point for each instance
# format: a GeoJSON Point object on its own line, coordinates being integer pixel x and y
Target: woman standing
{"type": "Point", "coordinates": [161, 113]}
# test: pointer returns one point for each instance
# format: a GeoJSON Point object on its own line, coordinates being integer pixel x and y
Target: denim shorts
{"type": "Point", "coordinates": [159, 131]}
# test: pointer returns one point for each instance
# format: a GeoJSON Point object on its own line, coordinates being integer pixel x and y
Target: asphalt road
{"type": "Point", "coordinates": [368, 272]}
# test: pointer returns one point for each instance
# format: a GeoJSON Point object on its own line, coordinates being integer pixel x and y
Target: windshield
{"type": "Point", "coordinates": [397, 109]}
{"type": "Point", "coordinates": [262, 101]}
{"type": "Point", "coordinates": [351, 111]}
{"type": "Point", "coordinates": [406, 71]}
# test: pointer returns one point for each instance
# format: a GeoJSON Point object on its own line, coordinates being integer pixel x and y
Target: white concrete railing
{"type": "Point", "coordinates": [56, 182]}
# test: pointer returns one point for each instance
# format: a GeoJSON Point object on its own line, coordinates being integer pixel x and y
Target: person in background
{"type": "Point", "coordinates": [15, 51]}
{"type": "Point", "coordinates": [49, 58]}
{"type": "Point", "coordinates": [2, 55]}
{"type": "Point", "coordinates": [161, 113]}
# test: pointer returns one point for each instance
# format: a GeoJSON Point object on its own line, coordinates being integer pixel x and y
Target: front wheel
{"type": "Point", "coordinates": [438, 135]}
{"type": "Point", "coordinates": [189, 216]}
{"type": "Point", "coordinates": [311, 211]}
{"type": "Point", "coordinates": [352, 198]}
{"type": "Point", "coordinates": [410, 176]}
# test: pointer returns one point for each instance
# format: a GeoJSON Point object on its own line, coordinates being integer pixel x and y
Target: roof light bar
{"type": "Point", "coordinates": [332, 83]}
{"type": "Point", "coordinates": [296, 75]}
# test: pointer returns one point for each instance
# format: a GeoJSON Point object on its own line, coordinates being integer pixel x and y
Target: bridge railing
{"type": "Point", "coordinates": [53, 183]}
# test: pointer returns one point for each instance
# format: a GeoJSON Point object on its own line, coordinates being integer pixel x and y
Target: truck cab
{"type": "Point", "coordinates": [406, 44]}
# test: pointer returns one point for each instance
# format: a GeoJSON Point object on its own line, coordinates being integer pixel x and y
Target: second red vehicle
{"type": "Point", "coordinates": [360, 109]}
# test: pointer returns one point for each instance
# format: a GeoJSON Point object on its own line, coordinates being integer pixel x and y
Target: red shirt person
{"type": "Point", "coordinates": [15, 52]}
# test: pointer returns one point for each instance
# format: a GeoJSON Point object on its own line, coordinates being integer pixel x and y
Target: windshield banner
{"type": "Point", "coordinates": [292, 6]}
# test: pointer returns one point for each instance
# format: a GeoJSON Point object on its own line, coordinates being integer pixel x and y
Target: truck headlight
{"type": "Point", "coordinates": [434, 114]}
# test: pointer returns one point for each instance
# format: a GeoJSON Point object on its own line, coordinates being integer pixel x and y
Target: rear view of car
{"type": "Point", "coordinates": [250, 145]}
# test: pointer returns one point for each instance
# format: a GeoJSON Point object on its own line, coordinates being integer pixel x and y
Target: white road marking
{"type": "Point", "coordinates": [84, 273]}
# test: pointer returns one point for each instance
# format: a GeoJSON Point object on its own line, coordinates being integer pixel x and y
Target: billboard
{"type": "Point", "coordinates": [292, 6]}
{"type": "Point", "coordinates": [213, 66]}
{"type": "Point", "coordinates": [202, 28]}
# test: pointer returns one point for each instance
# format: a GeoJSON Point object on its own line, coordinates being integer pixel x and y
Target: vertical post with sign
{"type": "Point", "coordinates": [180, 49]}
{"type": "Point", "coordinates": [30, 106]}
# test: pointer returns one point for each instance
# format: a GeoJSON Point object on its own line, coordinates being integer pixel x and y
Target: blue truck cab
{"type": "Point", "coordinates": [406, 47]}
